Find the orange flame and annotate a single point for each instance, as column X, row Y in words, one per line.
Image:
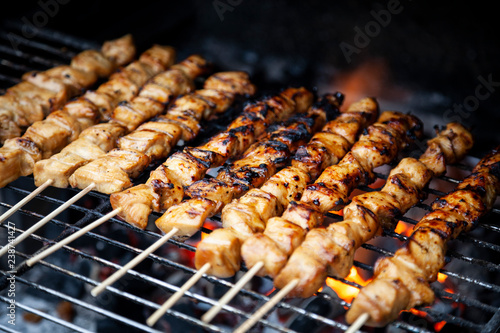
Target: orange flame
column 404, row 228
column 419, row 313
column 439, row 326
column 345, row 291
column 441, row 277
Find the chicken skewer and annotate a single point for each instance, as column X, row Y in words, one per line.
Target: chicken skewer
column 47, row 137
column 280, row 133
column 248, row 215
column 259, row 163
column 43, row 92
column 180, row 121
column 86, row 110
column 401, row 282
column 220, row 100
column 330, row 251
column 369, row 213
column 164, row 187
column 158, row 56
column 377, row 146
column 154, row 96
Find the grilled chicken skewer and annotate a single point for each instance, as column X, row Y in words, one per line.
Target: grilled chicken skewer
column 43, row 92
column 164, row 187
column 248, row 215
column 377, row 146
column 96, row 141
column 227, row 81
column 331, row 250
column 402, row 282
column 259, row 163
column 17, row 162
column 47, row 137
column 150, row 139
column 140, row 147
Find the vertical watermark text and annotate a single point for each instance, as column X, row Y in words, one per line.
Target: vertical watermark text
column 11, row 264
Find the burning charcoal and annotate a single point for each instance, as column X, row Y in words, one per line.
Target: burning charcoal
column 31, row 317
column 66, row 311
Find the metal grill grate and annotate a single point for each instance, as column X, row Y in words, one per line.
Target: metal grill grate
column 95, row 250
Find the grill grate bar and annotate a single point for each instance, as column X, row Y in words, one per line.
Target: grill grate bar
column 10, row 79
column 65, row 54
column 155, row 282
column 83, row 304
column 8, row 329
column 19, row 67
column 46, row 316
column 30, row 58
column 284, row 305
column 56, row 36
column 439, row 316
column 162, row 260
column 55, row 39
column 123, row 294
column 465, row 300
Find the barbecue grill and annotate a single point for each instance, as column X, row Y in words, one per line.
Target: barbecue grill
column 68, row 275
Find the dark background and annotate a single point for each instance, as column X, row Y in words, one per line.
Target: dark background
column 428, row 58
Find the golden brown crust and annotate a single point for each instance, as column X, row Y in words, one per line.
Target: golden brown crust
column 418, row 262
column 369, row 213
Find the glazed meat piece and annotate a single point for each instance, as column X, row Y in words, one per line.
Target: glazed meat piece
column 367, row 214
column 247, row 216
column 164, row 182
column 402, row 281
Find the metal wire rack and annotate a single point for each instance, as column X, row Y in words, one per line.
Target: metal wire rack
column 146, row 286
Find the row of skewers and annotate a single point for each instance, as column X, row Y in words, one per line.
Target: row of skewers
column 282, row 166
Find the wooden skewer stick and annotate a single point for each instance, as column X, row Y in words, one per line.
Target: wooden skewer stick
column 178, row 294
column 71, row 238
column 24, row 201
column 46, row 219
column 131, row 264
column 266, row 307
column 207, row 317
column 358, row 323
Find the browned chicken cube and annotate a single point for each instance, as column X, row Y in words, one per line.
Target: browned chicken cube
column 108, row 177
column 187, row 217
column 93, row 61
column 165, row 183
column 158, row 57
column 60, row 166
column 155, row 145
column 260, row 248
column 121, row 50
column 221, row 249
column 103, row 135
column 137, row 204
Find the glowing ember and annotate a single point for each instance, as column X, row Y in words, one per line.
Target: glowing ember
column 404, row 228
column 270, row 292
column 419, row 313
column 439, row 326
column 441, row 277
column 345, row 291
